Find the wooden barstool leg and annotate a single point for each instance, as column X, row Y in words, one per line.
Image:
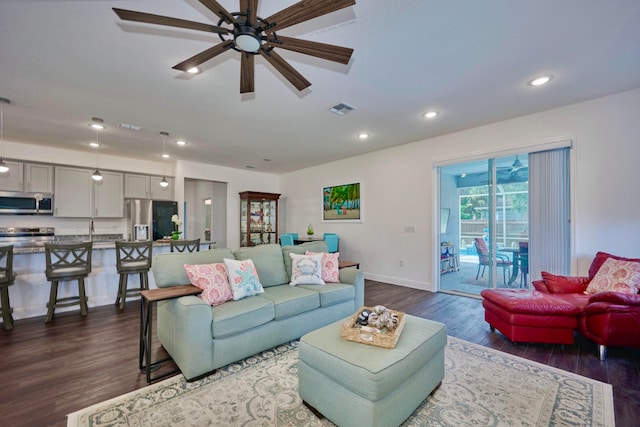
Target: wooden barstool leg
column 82, row 296
column 53, row 297
column 120, row 283
column 123, row 293
column 7, row 318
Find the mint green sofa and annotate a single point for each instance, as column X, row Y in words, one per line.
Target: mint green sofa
column 201, row 338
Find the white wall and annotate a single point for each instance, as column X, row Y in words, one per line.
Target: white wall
column 398, row 188
column 237, row 180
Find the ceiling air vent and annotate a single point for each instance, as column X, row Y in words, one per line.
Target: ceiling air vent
column 129, row 127
column 341, row 109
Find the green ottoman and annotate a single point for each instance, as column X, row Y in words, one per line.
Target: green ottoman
column 355, row 384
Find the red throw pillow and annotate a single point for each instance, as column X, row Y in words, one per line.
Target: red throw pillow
column 565, row 284
column 600, row 258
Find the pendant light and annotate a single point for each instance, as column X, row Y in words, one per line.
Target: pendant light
column 164, row 183
column 97, row 176
column 3, row 166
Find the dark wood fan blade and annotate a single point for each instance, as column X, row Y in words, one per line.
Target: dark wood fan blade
column 131, row 15
column 217, row 8
column 303, row 11
column 289, row 73
column 320, row 50
column 204, row 56
column 250, row 7
column 246, row 72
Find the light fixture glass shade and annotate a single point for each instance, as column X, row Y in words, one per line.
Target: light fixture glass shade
column 164, row 183
column 3, row 166
column 247, row 43
column 97, row 176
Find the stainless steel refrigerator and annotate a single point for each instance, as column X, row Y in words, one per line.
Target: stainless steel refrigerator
column 155, row 214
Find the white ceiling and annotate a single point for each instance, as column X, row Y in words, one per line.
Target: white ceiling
column 63, row 62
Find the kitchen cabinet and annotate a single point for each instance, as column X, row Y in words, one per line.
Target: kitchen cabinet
column 147, row 187
column 258, row 218
column 73, row 193
column 27, row 177
column 13, row 179
column 79, row 196
column 38, row 178
column 108, row 200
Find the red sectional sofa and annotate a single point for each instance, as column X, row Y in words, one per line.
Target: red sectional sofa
column 558, row 307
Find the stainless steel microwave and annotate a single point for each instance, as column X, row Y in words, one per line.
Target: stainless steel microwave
column 26, row 203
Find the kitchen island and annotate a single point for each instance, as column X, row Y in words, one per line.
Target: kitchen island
column 29, row 294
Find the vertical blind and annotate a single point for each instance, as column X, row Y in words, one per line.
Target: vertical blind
column 549, row 213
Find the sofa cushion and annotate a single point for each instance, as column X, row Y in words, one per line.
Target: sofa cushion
column 234, row 317
column 213, row 280
column 530, row 302
column 564, row 284
column 333, row 293
column 600, row 258
column 243, row 278
column 306, row 269
column 268, row 261
column 289, row 301
column 317, row 246
column 617, row 276
column 168, row 268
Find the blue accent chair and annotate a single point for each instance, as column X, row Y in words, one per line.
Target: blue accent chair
column 294, row 235
column 286, row 240
column 332, row 241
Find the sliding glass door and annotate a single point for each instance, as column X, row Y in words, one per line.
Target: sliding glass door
column 487, row 230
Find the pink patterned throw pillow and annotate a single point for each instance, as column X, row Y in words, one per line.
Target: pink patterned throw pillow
column 616, row 276
column 330, row 271
column 213, row 280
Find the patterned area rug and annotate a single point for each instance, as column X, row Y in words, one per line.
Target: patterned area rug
column 481, row 387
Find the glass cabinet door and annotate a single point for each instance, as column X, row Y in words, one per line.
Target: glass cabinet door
column 259, row 218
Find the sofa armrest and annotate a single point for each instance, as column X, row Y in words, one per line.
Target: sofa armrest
column 184, row 330
column 616, row 298
column 355, row 277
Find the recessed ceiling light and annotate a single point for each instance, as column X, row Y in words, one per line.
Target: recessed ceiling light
column 193, row 70
column 430, row 114
column 363, row 135
column 94, row 144
column 181, row 142
column 539, row 81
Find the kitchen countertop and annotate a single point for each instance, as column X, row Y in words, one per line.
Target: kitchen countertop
column 97, row 245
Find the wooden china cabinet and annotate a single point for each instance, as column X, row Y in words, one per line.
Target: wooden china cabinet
column 258, row 218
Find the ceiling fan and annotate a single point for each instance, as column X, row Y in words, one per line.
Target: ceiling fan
column 251, row 35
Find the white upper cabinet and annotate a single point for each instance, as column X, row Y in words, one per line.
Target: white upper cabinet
column 38, row 178
column 147, row 187
column 73, row 193
column 13, row 179
column 79, row 196
column 107, row 196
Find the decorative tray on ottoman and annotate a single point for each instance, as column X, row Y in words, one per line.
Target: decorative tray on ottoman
column 383, row 337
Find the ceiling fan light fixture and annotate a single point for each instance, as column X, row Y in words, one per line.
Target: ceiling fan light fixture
column 247, row 39
column 193, row 70
column 517, row 163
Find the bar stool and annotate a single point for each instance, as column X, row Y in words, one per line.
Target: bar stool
column 7, row 277
column 185, row 245
column 132, row 258
column 66, row 262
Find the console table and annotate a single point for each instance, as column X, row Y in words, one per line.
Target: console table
column 147, row 299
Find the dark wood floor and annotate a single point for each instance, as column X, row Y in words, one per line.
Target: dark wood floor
column 48, row 371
